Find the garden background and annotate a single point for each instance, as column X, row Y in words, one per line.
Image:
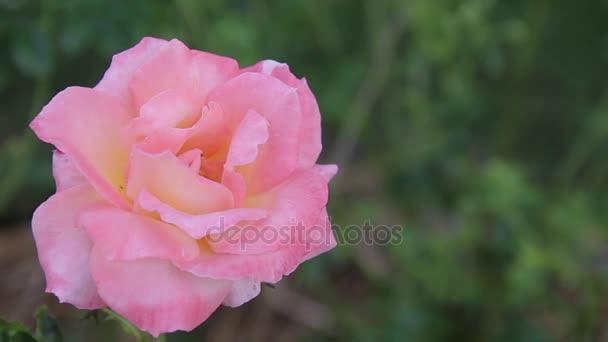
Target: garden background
column 479, row 126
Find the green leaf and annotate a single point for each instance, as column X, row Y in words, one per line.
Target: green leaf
column 129, row 328
column 47, row 329
column 15, row 332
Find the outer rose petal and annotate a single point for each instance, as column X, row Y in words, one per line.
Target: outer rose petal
column 266, row 267
column 241, row 292
column 167, row 178
column 209, row 71
column 198, row 226
column 167, row 69
column 177, row 66
column 65, row 172
column 123, row 235
column 326, row 171
column 277, row 103
column 294, row 208
column 117, row 78
column 322, row 239
column 154, row 295
column 64, row 248
column 85, row 124
column 310, row 129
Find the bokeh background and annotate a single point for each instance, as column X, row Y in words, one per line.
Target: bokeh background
column 479, row 126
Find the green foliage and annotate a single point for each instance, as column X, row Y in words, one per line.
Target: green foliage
column 46, row 329
column 129, row 328
column 479, row 125
column 14, row 332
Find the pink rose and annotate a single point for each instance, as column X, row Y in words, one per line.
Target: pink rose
column 183, row 182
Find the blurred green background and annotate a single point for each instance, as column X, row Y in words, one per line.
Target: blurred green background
column 480, row 126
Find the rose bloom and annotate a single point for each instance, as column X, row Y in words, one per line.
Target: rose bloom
column 167, row 171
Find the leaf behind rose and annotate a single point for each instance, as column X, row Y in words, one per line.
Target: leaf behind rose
column 15, row 332
column 129, row 328
column 47, row 329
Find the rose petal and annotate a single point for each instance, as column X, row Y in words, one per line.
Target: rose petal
column 277, row 103
column 123, row 235
column 198, row 226
column 211, row 132
column 310, row 128
column 251, row 132
column 64, row 248
column 266, row 267
column 192, row 159
column 236, row 183
column 167, row 178
column 320, row 239
column 209, row 71
column 154, row 295
column 167, row 69
column 293, row 208
column 85, row 124
column 326, row 171
column 170, row 108
column 241, row 292
column 243, row 150
column 65, row 172
column 164, row 139
column 176, row 66
column 118, row 76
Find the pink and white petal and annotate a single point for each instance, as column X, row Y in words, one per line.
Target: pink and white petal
column 64, row 247
column 326, row 171
column 310, row 130
column 267, row 267
column 192, row 159
column 177, row 107
column 169, row 68
column 243, row 150
column 164, row 139
column 198, row 226
column 235, row 181
column 277, row 103
column 117, row 78
column 211, row 132
column 294, row 208
column 85, row 124
column 251, row 132
column 213, row 169
column 321, row 238
column 264, row 67
column 123, row 235
column 155, row 295
column 66, row 174
column 210, row 70
column 241, row 292
column 166, row 177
